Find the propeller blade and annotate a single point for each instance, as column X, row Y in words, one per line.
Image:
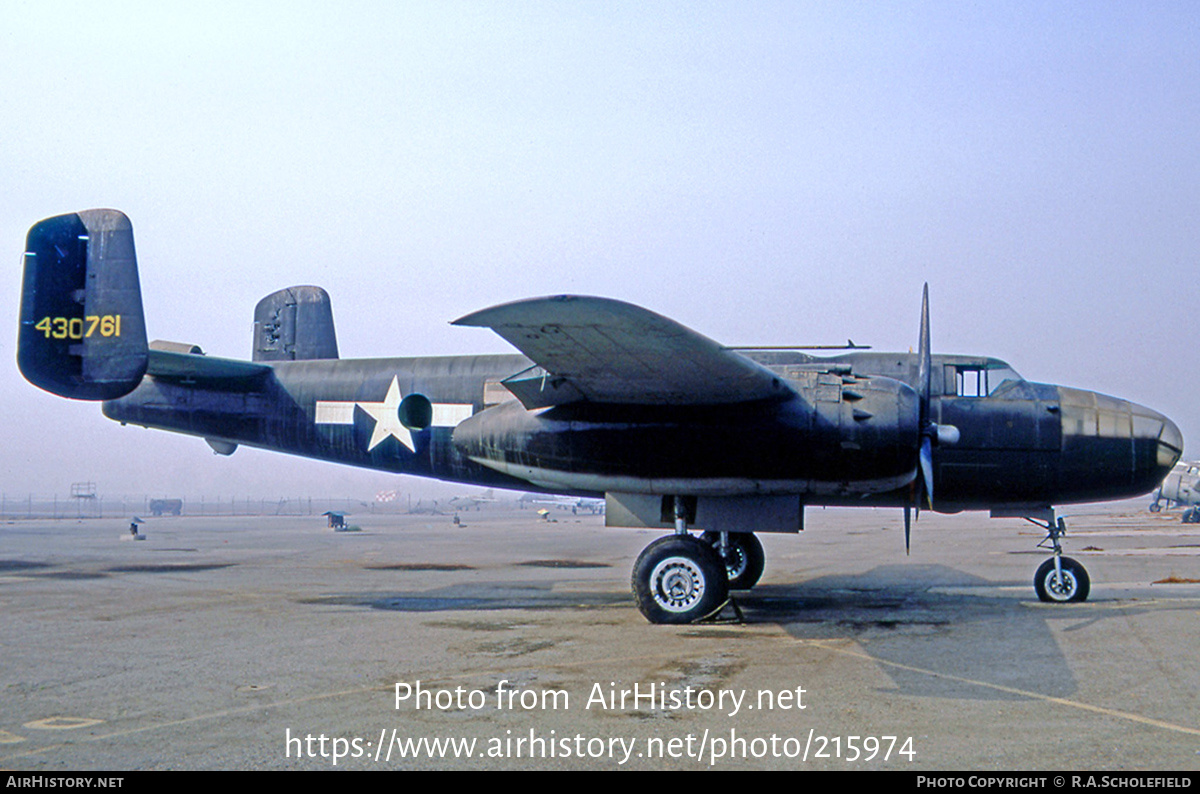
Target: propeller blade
column 924, row 359
column 927, row 469
column 907, row 525
column 924, row 480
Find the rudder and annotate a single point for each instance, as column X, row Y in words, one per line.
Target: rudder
column 82, row 332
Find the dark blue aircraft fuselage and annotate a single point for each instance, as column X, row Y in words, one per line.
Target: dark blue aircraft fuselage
column 844, row 439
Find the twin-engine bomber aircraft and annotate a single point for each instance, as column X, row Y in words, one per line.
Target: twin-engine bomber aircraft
column 670, row 427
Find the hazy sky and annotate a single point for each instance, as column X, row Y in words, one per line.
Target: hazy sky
column 766, row 173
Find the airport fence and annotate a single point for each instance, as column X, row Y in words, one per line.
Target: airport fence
column 64, row 507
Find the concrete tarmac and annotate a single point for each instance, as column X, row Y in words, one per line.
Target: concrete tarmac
column 276, row 643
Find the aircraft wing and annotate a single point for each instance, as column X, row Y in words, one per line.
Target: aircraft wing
column 608, row 351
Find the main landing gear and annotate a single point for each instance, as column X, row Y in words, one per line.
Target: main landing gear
column 743, row 555
column 682, row 578
column 679, row 579
column 1059, row 579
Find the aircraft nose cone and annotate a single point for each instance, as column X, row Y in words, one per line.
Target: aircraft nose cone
column 1159, row 441
column 1171, row 436
column 1125, row 448
column 1170, row 444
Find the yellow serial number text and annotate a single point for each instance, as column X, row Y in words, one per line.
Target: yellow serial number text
column 80, row 327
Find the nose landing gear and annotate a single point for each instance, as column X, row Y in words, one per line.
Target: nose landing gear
column 1059, row 579
column 1069, row 582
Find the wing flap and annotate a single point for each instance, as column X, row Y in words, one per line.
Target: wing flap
column 608, row 351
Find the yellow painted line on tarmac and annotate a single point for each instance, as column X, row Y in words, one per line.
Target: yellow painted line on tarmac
column 61, row 723
column 824, row 645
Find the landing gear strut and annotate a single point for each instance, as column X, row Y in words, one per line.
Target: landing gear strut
column 1059, row 579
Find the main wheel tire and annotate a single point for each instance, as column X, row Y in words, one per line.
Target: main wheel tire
column 1155, row 507
column 1074, row 586
column 679, row 579
column 744, row 566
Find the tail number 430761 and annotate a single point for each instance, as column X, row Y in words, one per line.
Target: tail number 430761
column 80, row 327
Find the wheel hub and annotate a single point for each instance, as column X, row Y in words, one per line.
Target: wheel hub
column 735, row 562
column 677, row 584
column 1063, row 587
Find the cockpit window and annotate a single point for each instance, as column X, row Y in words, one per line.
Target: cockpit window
column 999, row 373
column 979, row 380
column 971, row 382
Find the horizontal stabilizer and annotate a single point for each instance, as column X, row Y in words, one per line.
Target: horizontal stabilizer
column 226, row 373
column 608, row 351
column 82, row 333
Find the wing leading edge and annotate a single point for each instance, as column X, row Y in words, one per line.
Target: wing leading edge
column 608, row 351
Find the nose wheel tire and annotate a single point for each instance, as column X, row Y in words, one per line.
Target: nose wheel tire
column 679, row 579
column 744, row 565
column 1074, row 585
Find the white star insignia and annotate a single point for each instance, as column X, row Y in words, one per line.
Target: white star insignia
column 387, row 419
column 387, row 416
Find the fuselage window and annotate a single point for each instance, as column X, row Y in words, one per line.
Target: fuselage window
column 972, row 382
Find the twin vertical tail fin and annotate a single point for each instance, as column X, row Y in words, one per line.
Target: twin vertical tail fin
column 294, row 324
column 82, row 332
